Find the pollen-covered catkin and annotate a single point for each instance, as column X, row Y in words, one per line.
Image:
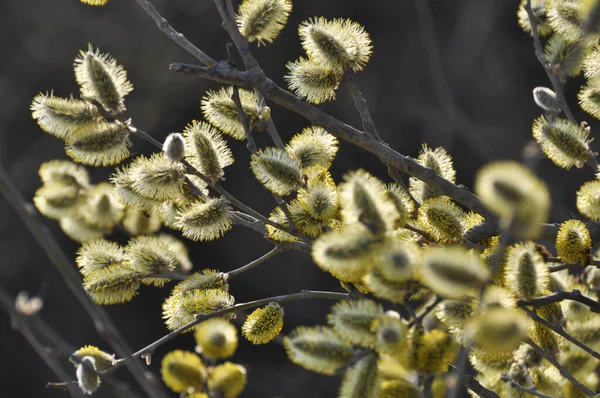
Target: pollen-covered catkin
column 264, row 324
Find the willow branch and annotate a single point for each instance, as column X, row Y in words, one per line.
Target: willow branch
column 362, row 107
column 419, row 318
column 560, row 331
column 564, row 372
column 530, row 390
column 151, row 386
column 251, row 145
column 561, row 295
column 303, row 295
column 276, row 250
column 537, row 45
column 174, row 35
column 474, row 385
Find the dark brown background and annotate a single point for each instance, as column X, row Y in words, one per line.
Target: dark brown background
column 486, row 60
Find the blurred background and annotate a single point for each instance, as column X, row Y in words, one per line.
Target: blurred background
column 465, row 84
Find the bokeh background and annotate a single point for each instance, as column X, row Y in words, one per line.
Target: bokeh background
column 465, row 84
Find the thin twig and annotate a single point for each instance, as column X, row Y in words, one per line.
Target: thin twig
column 564, row 372
column 530, row 390
column 474, row 385
column 426, row 311
column 560, row 331
column 251, row 144
column 174, row 35
column 303, row 295
column 362, row 107
column 151, row 386
column 561, row 295
column 270, row 124
column 539, row 53
column 276, row 250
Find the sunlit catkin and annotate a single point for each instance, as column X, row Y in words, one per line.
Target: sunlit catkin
column 398, row 389
column 94, row 2
column 103, row 360
column 150, row 256
column 398, row 260
column 262, row 20
column 157, row 177
column 526, row 274
column 220, row 110
column 107, row 145
column 402, row 201
column 183, row 370
column 438, row 160
column 588, row 200
column 564, row 143
column 320, row 200
column 207, row 150
column 384, row 288
column 183, row 262
column 360, row 380
column 100, row 78
column 228, row 379
column 498, row 329
column 114, row 284
column 316, row 82
column 451, row 272
column 137, row 223
column 347, row 254
column 352, row 321
column 63, row 117
column 304, row 220
column 318, row 349
column 181, row 309
column 513, row 192
column 277, row 170
column 204, row 221
column 362, row 201
column 390, row 331
column 216, row 338
column 573, row 242
column 100, row 208
column 98, row 254
column 565, row 55
column 56, row 200
column 64, row 172
column 313, row 146
column 337, row 43
column 264, row 324
column 441, row 219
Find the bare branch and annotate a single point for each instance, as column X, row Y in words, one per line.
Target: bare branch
column 251, row 145
column 150, row 384
column 564, row 372
column 174, row 35
column 474, row 385
column 561, row 295
column 529, row 390
column 276, row 250
column 560, row 331
column 303, row 295
column 363, row 109
column 419, row 318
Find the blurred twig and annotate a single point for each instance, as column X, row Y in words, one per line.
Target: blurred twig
column 151, row 386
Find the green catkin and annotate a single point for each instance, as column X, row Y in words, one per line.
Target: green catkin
column 352, row 321
column 360, row 381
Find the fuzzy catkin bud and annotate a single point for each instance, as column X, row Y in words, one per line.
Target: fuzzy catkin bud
column 57, row 201
column 526, row 274
column 220, row 110
column 546, row 99
column 101, row 209
column 539, row 11
column 204, row 221
column 183, row 370
column 402, row 202
column 360, row 381
column 64, row 172
column 498, row 329
column 441, row 163
column 390, row 331
column 106, row 145
column 313, row 146
column 565, row 55
column 216, row 338
column 588, row 200
column 277, row 170
column 563, row 142
column 399, row 388
column 346, row 253
column 398, row 260
column 573, row 242
column 149, row 255
column 62, row 117
column 264, row 324
column 114, row 284
column 337, row 43
column 384, row 288
column 207, row 150
column 315, row 82
column 262, row 20
column 100, row 78
column 451, row 272
column 87, row 379
column 228, row 378
column 181, row 309
column 352, row 321
column 318, row 349
column 174, row 147
column 94, row 2
column 98, row 254
column 442, row 219
column 102, row 360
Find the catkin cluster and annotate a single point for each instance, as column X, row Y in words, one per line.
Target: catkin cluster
column 388, row 245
